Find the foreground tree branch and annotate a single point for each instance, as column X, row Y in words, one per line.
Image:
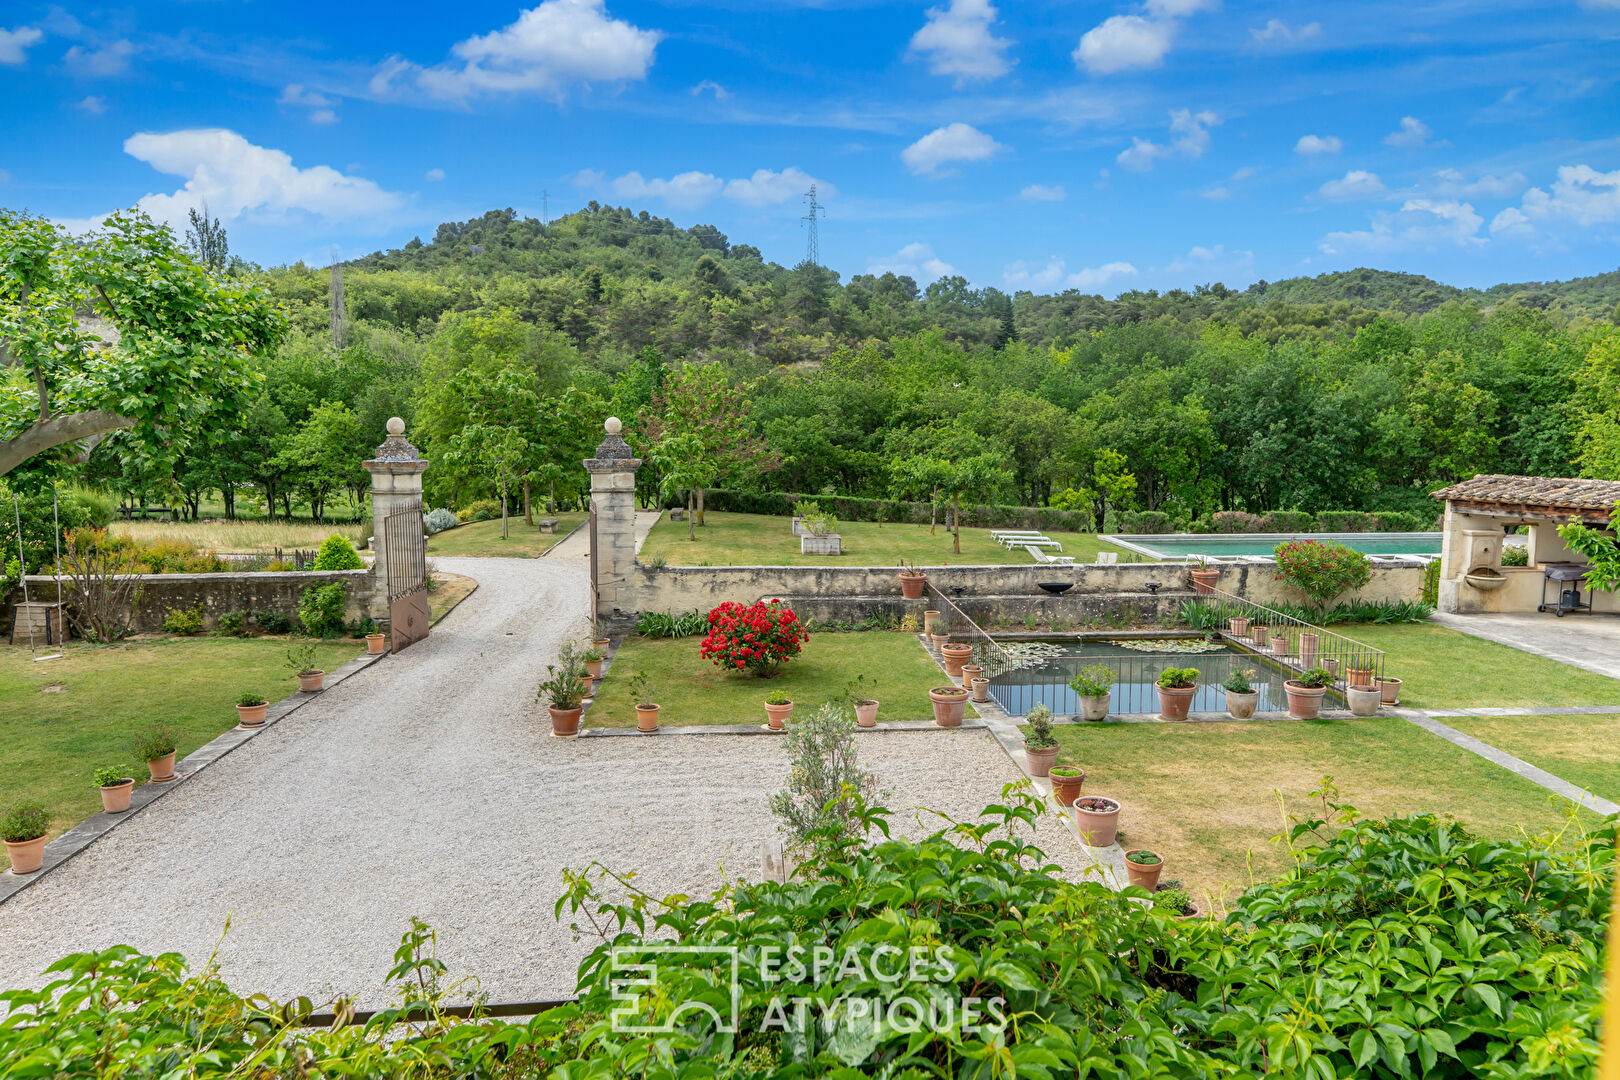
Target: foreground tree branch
column 43, row 435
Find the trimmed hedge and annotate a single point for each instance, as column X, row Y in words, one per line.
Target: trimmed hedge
column 848, row 508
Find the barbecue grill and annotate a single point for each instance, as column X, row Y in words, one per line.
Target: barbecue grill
column 1569, row 577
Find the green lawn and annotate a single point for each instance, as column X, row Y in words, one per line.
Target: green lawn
column 1441, row 668
column 1206, row 796
column 483, row 538
column 64, row 718
column 1584, row 750
column 897, row 669
column 759, row 540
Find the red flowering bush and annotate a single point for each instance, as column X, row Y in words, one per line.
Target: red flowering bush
column 757, row 638
column 1321, row 569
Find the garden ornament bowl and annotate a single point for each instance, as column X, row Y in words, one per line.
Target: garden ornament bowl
column 1056, row 588
column 1153, row 587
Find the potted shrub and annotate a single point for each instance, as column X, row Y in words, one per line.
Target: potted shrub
column 156, row 747
column 1359, row 672
column 757, row 639
column 301, row 658
column 971, row 672
column 1390, row 690
column 250, row 709
column 1204, row 577
column 593, row 659
column 376, row 641
column 561, row 692
column 980, row 688
column 641, row 698
column 602, row 638
column 1066, row 781
column 950, row 703
column 1093, row 684
column 1143, row 867
column 939, row 633
column 1097, row 819
column 116, row 787
column 23, row 829
column 1363, row 700
column 1280, row 637
column 1176, row 689
column 1241, row 696
column 1176, row 902
column 1305, row 692
column 956, row 656
column 864, row 706
column 1040, row 747
column 912, row 582
column 778, row 707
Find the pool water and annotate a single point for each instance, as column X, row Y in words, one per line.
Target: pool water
column 1045, row 679
column 1182, row 545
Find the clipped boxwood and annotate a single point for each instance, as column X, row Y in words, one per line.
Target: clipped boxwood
column 338, row 554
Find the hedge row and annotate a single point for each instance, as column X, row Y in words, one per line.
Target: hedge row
column 1327, row 521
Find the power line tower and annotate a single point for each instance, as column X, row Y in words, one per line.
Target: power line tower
column 545, row 207
column 812, row 253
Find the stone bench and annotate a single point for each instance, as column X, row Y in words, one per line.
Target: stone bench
column 548, row 525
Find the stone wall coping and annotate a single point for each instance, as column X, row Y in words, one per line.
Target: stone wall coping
column 224, row 575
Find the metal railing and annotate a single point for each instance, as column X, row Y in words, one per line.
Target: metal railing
column 1290, row 643
column 988, row 654
column 1044, row 680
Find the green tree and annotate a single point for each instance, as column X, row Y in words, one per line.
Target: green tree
column 323, row 456
column 699, row 401
column 684, row 465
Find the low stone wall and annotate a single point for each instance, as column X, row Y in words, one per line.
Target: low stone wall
column 216, row 594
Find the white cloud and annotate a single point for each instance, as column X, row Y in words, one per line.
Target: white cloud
column 1512, row 222
column 685, row 190
column 235, row 177
column 434, row 175
column 1246, row 173
column 92, row 104
column 323, row 116
column 1124, row 42
column 1190, row 138
column 1033, row 276
column 589, row 178
column 550, row 46
column 1355, row 184
column 14, row 43
column 954, row 142
column 1217, row 193
column 1277, row 32
column 5, row 177
column 298, row 95
column 1212, row 260
column 1175, row 9
column 1093, row 278
column 1581, row 195
column 1309, row 145
column 1043, row 193
column 1453, row 184
column 1420, row 223
column 916, row 261
column 110, row 59
column 767, row 188
column 957, row 41
column 720, row 93
column 1601, row 5
column 1412, row 132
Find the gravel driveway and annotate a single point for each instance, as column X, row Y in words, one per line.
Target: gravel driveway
column 429, row 785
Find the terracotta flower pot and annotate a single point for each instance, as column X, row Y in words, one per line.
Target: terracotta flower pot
column 565, row 721
column 980, row 688
column 1095, row 706
column 1193, row 914
column 115, row 797
column 647, row 717
column 969, row 673
column 1330, row 664
column 866, row 713
column 911, row 584
column 928, row 620
column 587, row 686
column 309, row 682
column 163, row 768
column 776, row 715
column 1175, row 703
column 950, row 704
column 1258, row 635
column 956, row 656
column 1304, row 702
column 939, row 641
column 1066, row 789
column 1364, row 700
column 250, row 715
column 1143, row 875
column 1355, row 676
column 601, row 643
column 28, row 856
column 1280, row 643
column 593, row 668
column 375, row 643
column 1242, row 706
column 1307, row 651
column 1040, row 761
column 1237, row 626
column 1097, row 818
column 1204, row 581
column 1390, row 691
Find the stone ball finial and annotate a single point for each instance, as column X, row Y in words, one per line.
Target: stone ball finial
column 612, row 425
column 396, row 426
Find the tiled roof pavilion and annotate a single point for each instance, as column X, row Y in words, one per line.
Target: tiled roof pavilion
column 1591, row 501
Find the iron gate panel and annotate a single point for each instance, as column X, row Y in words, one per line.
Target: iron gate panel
column 596, row 607
column 405, row 557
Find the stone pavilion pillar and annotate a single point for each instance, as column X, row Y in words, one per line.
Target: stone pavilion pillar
column 396, row 484
column 613, row 533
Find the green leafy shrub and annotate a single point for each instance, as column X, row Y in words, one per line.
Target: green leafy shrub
column 1238, row 681
column 1234, row 521
column 21, row 823
column 301, row 658
column 233, row 624
column 272, row 622
column 337, row 553
column 778, row 697
column 248, row 701
column 1174, row 901
column 320, row 609
column 1321, row 569
column 1145, row 522
column 1039, row 736
column 109, row 775
column 1093, row 680
column 1178, row 678
column 361, row 627
column 561, row 688
column 481, row 510
column 157, row 741
column 663, row 624
column 1515, row 556
column 184, row 622
column 1287, row 521
column 824, row 777
column 1343, row 521
column 1403, row 521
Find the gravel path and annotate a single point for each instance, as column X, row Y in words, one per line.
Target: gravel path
column 429, row 785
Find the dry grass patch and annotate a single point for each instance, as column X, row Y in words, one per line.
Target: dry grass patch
column 258, row 537
column 1585, row 750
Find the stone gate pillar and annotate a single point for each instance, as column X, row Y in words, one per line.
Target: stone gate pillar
column 613, row 531
column 396, row 484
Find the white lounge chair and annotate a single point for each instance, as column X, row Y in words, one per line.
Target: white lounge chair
column 1010, row 539
column 1107, row 558
column 1043, row 542
column 1052, row 560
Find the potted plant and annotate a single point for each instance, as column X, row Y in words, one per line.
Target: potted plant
column 956, row 656
column 1241, row 696
column 641, row 698
column 778, row 707
column 1176, row 902
column 1040, row 746
column 1143, row 867
column 1363, row 700
column 1305, row 692
column 1066, row 781
column 602, row 638
column 1390, row 690
column 116, row 787
column 1176, row 689
column 301, row 658
column 376, row 641
column 1359, row 672
column 561, row 692
column 1093, row 684
column 593, row 659
column 1204, row 576
column 250, row 709
column 23, row 829
column 864, row 706
column 912, row 581
column 971, row 672
column 156, row 747
column 1280, row 641
column 1257, row 634
column 1307, row 649
column 980, row 688
column 939, row 633
column 1237, row 626
column 950, row 703
column 1097, row 819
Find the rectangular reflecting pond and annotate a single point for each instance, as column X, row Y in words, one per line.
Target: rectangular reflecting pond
column 1043, row 670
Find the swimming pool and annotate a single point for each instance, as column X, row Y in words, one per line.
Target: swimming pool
column 1229, row 545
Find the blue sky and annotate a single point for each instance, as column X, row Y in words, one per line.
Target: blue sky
column 1040, row 145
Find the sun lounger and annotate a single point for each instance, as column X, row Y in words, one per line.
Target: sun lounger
column 1053, row 560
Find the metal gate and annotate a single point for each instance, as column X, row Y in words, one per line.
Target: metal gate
column 595, row 607
column 405, row 556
